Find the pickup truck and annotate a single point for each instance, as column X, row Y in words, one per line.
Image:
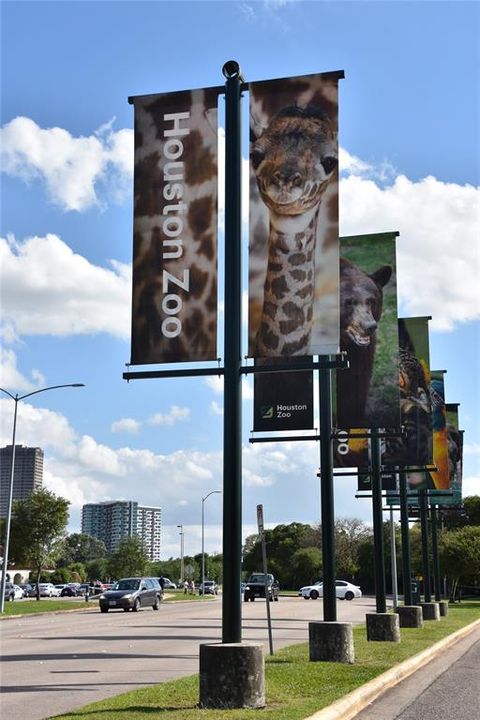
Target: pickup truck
column 255, row 587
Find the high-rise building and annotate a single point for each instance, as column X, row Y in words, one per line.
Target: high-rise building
column 115, row 520
column 27, row 473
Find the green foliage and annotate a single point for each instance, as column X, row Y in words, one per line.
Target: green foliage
column 82, row 548
column 96, row 569
column 460, row 555
column 129, row 559
column 306, row 566
column 38, row 530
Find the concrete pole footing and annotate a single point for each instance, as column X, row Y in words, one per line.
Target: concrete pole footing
column 232, row 675
column 430, row 610
column 410, row 616
column 443, row 607
column 383, row 626
column 331, row 642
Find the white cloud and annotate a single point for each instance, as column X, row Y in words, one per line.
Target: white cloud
column 11, row 377
column 437, row 250
column 215, row 383
column 72, row 168
column 215, row 408
column 47, row 289
column 175, row 414
column 128, row 425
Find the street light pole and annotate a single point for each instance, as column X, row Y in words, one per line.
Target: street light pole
column 16, row 398
column 203, row 537
column 182, row 574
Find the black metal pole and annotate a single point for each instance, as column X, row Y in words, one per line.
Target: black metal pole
column 436, row 559
column 378, row 549
column 232, row 408
column 326, row 485
column 425, row 553
column 406, row 562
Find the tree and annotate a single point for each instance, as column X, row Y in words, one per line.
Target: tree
column 348, row 534
column 38, row 530
column 460, row 556
column 306, row 566
column 128, row 559
column 472, row 509
column 82, row 548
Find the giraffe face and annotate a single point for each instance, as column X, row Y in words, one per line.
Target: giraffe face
column 294, row 160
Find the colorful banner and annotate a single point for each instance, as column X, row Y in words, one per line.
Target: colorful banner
column 282, row 400
column 367, row 394
column 174, row 300
column 455, row 452
column 415, row 447
column 293, row 249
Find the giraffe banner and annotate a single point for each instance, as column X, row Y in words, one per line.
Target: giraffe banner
column 174, row 298
column 293, row 245
column 367, row 394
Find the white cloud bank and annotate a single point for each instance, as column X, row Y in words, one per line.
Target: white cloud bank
column 75, row 170
column 47, row 289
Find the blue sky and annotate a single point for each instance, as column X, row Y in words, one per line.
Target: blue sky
column 409, row 119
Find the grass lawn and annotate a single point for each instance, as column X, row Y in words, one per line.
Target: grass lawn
column 295, row 687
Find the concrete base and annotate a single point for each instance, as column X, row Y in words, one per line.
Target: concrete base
column 232, row 675
column 383, row 626
column 331, row 642
column 410, row 616
column 443, row 604
column 430, row 610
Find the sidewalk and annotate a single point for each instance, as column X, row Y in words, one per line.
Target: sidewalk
column 420, row 688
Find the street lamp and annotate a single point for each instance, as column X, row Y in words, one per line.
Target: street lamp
column 16, row 398
column 203, row 537
column 181, row 533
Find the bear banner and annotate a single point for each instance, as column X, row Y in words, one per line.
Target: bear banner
column 367, row 394
column 174, row 298
column 293, row 246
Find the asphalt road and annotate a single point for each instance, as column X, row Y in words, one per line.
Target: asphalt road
column 58, row 662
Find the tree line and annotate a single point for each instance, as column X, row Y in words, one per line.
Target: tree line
column 39, row 541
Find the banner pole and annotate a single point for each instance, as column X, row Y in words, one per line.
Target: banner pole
column 406, row 564
column 436, row 560
column 425, row 551
column 378, row 550
column 232, row 408
column 327, row 494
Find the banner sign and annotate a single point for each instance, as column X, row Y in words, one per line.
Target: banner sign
column 283, row 400
column 415, row 447
column 293, row 248
column 455, row 452
column 174, row 299
column 440, row 479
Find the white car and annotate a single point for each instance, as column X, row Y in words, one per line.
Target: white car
column 19, row 594
column 48, row 590
column 343, row 590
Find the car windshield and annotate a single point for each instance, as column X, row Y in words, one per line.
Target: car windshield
column 260, row 578
column 128, row 584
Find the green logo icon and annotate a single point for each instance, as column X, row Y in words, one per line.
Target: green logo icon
column 267, row 412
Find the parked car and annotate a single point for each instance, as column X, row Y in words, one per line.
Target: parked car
column 209, row 587
column 132, row 594
column 90, row 588
column 48, row 590
column 343, row 590
column 9, row 592
column 28, row 589
column 71, row 590
column 168, row 584
column 255, row 587
column 19, row 594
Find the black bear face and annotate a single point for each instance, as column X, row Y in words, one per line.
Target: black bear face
column 361, row 300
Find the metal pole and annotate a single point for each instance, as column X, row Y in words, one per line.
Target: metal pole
column 436, row 559
column 393, row 550
column 232, row 408
column 378, row 550
column 425, row 553
column 203, row 537
column 327, row 495
column 406, row 572
column 182, row 577
column 6, row 544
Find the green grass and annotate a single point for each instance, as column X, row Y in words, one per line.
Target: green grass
column 295, row 687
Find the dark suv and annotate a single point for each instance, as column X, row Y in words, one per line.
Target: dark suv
column 131, row 594
column 255, row 587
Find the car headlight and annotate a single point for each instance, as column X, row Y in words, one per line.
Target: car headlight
column 127, row 597
column 101, row 597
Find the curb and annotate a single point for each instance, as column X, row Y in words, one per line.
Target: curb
column 347, row 707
